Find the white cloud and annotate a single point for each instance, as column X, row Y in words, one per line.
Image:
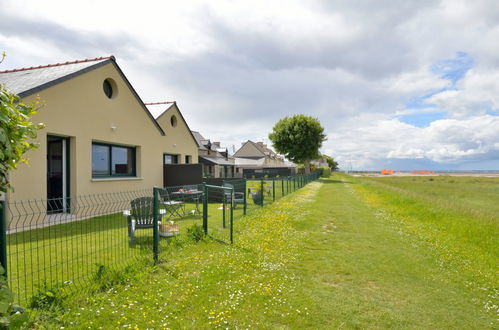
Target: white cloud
column 476, row 93
column 365, row 140
column 235, row 68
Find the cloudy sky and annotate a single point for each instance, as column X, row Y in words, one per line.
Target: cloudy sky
column 396, row 84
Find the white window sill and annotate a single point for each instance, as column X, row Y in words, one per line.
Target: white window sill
column 117, row 179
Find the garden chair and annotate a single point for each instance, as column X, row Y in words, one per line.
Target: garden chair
column 173, row 208
column 141, row 216
column 238, row 196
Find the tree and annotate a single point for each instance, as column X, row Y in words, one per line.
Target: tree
column 298, row 138
column 16, row 133
column 333, row 165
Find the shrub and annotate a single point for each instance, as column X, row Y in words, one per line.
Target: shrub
column 195, row 233
column 106, row 277
column 17, row 133
column 48, row 297
column 11, row 315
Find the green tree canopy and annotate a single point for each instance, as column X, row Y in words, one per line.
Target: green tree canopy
column 333, row 165
column 298, row 138
column 16, row 133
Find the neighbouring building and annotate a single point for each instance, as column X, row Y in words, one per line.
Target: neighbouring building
column 99, row 136
column 320, row 162
column 215, row 159
column 255, row 159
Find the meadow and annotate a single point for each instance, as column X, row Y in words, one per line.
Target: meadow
column 341, row 252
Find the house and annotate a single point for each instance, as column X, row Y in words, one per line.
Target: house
column 256, row 159
column 215, row 159
column 99, row 136
column 320, row 162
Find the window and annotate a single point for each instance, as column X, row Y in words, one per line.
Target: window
column 112, row 160
column 187, row 159
column 170, row 159
column 173, row 121
column 110, row 88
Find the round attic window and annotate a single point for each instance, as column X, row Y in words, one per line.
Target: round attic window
column 109, row 87
column 173, row 121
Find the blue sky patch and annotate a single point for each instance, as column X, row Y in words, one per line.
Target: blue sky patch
column 452, row 69
column 455, row 68
column 422, row 119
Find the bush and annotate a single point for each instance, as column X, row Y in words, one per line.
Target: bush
column 11, row 315
column 49, row 297
column 195, row 233
column 106, row 277
column 17, row 133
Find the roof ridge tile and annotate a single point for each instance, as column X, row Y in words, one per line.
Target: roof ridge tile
column 60, row 64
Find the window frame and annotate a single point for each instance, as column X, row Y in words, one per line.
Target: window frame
column 175, row 156
column 110, row 161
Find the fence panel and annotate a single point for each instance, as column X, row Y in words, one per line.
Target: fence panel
column 49, row 248
column 218, row 212
column 179, row 208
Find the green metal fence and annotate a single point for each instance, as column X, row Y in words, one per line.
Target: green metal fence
column 42, row 246
column 48, row 248
column 218, row 213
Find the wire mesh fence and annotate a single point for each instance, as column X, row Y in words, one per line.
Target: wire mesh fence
column 47, row 246
column 218, row 212
column 51, row 242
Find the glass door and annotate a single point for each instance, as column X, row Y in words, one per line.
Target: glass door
column 57, row 174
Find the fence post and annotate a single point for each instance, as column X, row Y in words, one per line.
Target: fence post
column 261, row 185
column 273, row 189
column 232, row 217
column 155, row 230
column 3, row 236
column 205, row 209
column 224, row 197
column 282, row 187
column 245, row 194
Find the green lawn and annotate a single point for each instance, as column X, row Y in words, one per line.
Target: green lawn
column 340, row 253
column 71, row 252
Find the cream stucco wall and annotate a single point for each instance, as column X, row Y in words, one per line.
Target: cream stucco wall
column 79, row 109
column 180, row 139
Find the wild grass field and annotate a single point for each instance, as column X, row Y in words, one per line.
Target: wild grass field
column 341, row 252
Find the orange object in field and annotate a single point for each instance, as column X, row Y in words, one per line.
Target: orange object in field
column 386, row 172
column 423, row 172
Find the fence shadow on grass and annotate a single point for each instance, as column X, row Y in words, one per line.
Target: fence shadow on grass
column 327, row 181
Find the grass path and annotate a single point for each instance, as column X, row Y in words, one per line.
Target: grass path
column 323, row 257
column 361, row 269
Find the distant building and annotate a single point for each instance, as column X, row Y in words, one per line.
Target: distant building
column 321, row 162
column 215, row 159
column 256, row 159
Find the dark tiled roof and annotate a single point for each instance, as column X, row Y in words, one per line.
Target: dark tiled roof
column 216, row 161
column 199, row 140
column 26, row 81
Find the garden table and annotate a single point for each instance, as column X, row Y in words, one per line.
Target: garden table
column 190, row 195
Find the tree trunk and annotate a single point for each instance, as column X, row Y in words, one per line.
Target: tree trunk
column 307, row 166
